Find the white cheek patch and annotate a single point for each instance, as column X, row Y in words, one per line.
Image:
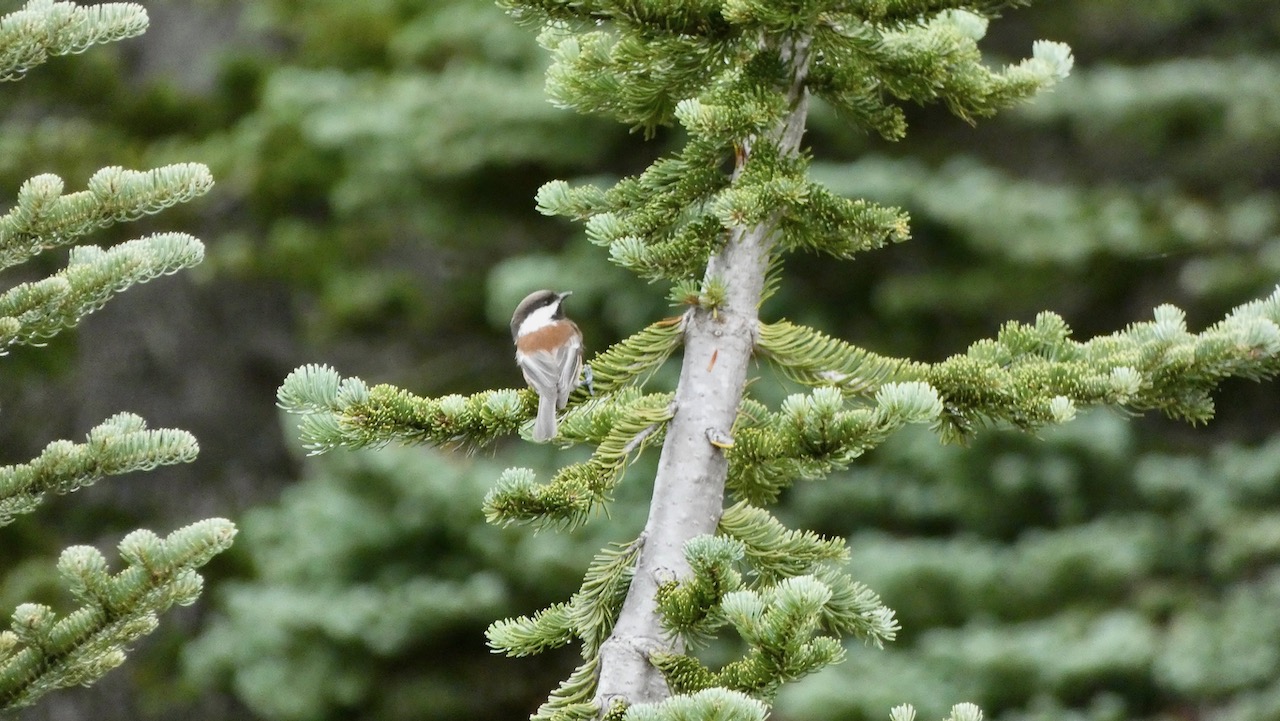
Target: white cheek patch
column 538, row 319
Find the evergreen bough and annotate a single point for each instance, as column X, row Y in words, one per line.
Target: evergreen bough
column 42, row 651
column 715, row 220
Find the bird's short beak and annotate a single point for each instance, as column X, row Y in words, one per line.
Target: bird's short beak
column 566, row 294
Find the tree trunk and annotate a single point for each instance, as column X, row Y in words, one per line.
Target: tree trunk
column 688, row 491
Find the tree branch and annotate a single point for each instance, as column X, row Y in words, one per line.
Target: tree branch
column 688, row 493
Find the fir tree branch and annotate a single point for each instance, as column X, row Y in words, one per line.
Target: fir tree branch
column 600, row 72
column 119, row 445
column 44, row 218
column 1033, row 375
column 595, row 606
column 784, row 582
column 812, row 358
column 571, row 701
column 43, row 28
column 633, row 360
column 40, row 652
column 712, row 704
column 814, row 435
column 696, row 17
column 526, row 635
column 540, row 13
column 589, row 616
column 621, row 426
column 778, row 623
column 345, row 413
column 937, row 59
column 854, row 609
column 658, row 223
column 774, row 551
column 823, row 222
column 32, row 312
column 940, row 60
column 689, row 606
column 781, row 621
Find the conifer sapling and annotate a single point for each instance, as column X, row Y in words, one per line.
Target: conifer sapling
column 715, row 220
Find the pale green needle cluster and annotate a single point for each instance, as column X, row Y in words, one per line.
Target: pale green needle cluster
column 42, row 651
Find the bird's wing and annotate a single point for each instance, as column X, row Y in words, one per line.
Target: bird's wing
column 541, row 372
column 569, row 363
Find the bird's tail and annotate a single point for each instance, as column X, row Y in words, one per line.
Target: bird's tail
column 544, row 428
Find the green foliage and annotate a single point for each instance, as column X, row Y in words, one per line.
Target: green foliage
column 731, row 76
column 341, row 413
column 777, row 552
column 44, row 28
column 959, row 712
column 1131, row 580
column 119, row 445
column 41, row 652
column 1155, row 364
column 374, row 580
column 625, row 424
column 33, row 312
column 338, row 412
column 43, row 218
column 709, row 705
column 664, row 222
column 588, row 617
column 812, row 435
column 1031, row 375
column 777, row 625
column 797, row 588
column 698, row 68
column 1146, row 179
column 812, row 358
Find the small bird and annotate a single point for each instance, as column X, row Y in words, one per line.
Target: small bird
column 549, row 353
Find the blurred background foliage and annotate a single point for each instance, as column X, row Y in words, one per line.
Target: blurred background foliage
column 376, row 164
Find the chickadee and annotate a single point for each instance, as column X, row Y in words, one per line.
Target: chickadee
column 549, row 352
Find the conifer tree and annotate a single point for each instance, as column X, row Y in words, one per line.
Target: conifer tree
column 716, row 220
column 42, row 650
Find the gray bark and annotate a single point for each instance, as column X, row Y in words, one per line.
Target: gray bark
column 688, row 492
